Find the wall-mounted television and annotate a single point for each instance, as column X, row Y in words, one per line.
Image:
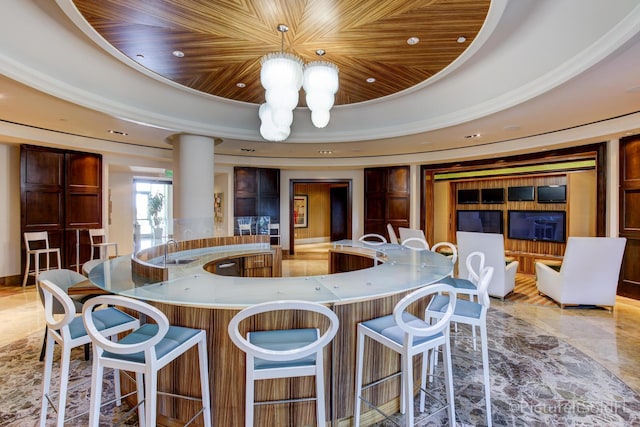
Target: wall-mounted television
column 521, row 194
column 481, row 221
column 492, row 195
column 547, row 226
column 466, row 197
column 552, row 194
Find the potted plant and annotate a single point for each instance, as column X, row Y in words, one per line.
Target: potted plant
column 154, row 207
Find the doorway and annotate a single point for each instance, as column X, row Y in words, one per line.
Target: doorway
column 328, row 207
column 153, row 221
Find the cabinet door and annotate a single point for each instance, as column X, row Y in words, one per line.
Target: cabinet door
column 629, row 285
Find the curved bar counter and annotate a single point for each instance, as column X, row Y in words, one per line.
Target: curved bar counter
column 194, row 297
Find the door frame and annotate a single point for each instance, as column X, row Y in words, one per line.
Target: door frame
column 293, row 182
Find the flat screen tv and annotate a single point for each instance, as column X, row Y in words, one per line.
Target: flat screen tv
column 492, row 195
column 547, row 226
column 552, row 194
column 466, row 197
column 521, row 194
column 480, row 221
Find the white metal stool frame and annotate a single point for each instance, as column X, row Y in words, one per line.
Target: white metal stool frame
column 114, row 355
column 60, row 331
column 411, row 328
column 38, row 236
column 378, row 239
column 474, row 314
column 253, row 351
column 99, row 232
column 469, row 286
column 416, row 244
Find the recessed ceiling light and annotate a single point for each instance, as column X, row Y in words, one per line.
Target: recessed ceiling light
column 325, row 152
column 320, row 52
column 461, row 39
column 413, row 40
column 178, row 53
column 371, row 79
column 248, row 150
column 241, row 84
column 475, row 135
column 117, row 132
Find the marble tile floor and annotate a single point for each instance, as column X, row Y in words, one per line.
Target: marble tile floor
column 610, row 340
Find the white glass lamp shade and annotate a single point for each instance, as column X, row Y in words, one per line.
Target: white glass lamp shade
column 321, row 76
column 281, row 69
column 281, row 76
column 320, row 84
column 320, row 118
column 268, row 129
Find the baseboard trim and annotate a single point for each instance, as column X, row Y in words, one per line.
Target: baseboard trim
column 11, row 280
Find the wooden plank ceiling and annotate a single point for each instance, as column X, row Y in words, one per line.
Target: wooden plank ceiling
column 224, row 40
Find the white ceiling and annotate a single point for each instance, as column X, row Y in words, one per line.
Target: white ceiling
column 541, row 74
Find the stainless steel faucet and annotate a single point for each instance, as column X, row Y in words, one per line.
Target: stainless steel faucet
column 166, row 249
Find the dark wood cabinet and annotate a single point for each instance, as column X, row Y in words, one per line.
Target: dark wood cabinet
column 387, row 199
column 629, row 284
column 257, row 192
column 60, row 191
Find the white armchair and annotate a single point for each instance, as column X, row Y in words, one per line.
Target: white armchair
column 492, row 245
column 588, row 275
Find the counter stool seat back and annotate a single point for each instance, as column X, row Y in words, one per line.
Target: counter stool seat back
column 373, row 239
column 144, row 351
column 98, row 242
column 416, row 244
column 63, row 279
column 67, row 329
column 283, row 353
column 408, row 336
column 37, row 244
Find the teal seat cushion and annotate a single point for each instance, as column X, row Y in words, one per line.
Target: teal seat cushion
column 288, row 339
column 459, row 283
column 176, row 335
column 103, row 319
column 387, row 327
column 463, row 307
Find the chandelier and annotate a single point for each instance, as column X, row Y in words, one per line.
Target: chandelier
column 282, row 75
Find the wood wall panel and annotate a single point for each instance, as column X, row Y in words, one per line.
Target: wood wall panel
column 257, row 193
column 629, row 284
column 61, row 191
column 387, row 199
column 525, row 251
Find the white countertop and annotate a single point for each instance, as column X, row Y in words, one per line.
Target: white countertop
column 191, row 285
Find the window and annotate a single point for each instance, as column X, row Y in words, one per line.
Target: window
column 143, row 189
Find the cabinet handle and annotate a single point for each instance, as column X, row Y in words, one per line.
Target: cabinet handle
column 231, row 264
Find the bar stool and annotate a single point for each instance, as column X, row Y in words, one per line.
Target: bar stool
column 33, row 238
column 283, row 353
column 474, row 314
column 274, row 232
column 469, row 286
column 409, row 335
column 144, row 351
column 69, row 332
column 97, row 237
column 63, row 279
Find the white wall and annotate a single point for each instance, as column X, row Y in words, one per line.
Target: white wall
column 9, row 210
column 122, row 204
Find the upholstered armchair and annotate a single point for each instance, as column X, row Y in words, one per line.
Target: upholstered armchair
column 588, row 275
column 492, row 245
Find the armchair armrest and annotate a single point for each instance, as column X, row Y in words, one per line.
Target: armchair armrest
column 548, row 280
